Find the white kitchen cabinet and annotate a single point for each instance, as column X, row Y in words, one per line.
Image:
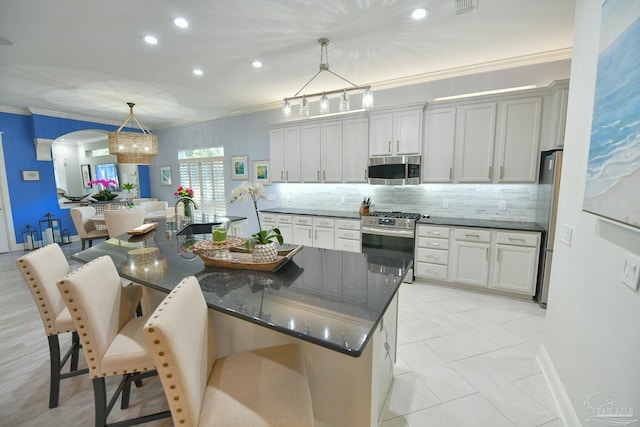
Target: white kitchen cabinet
column 267, row 220
column 432, row 252
column 285, row 152
column 395, row 133
column 321, row 152
column 516, row 262
column 303, row 230
column 284, row 223
column 356, row 149
column 439, row 143
column 348, row 237
column 235, row 229
column 474, row 142
column 323, row 233
column 554, row 116
column 519, row 140
column 471, row 249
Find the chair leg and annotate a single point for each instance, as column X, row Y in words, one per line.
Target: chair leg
column 83, row 242
column 75, row 352
column 54, row 356
column 126, row 391
column 100, row 398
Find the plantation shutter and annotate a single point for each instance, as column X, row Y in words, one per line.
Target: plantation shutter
column 206, row 178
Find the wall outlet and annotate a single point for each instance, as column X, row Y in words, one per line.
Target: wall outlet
column 566, row 233
column 631, row 271
column 445, row 204
column 502, row 205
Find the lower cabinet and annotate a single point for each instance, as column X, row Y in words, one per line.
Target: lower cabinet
column 348, row 235
column 323, row 233
column 499, row 260
column 302, row 230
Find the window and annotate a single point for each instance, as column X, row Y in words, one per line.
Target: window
column 202, row 170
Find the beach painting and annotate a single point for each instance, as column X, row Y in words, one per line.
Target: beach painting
column 613, row 172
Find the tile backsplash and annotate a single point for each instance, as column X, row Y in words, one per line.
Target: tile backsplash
column 509, row 202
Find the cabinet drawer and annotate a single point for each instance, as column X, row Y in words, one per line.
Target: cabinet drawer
column 433, row 271
column 303, row 220
column 429, row 231
column 472, row 235
column 347, row 245
column 323, row 222
column 268, row 217
column 430, row 242
column 433, row 256
column 283, row 219
column 517, row 239
column 348, row 234
column 347, row 224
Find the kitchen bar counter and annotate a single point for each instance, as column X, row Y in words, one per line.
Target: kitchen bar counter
column 313, row 212
column 330, row 298
column 482, row 223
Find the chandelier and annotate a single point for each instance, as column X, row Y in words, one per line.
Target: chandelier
column 133, row 147
column 344, row 106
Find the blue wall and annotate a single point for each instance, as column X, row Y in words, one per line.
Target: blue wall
column 31, row 200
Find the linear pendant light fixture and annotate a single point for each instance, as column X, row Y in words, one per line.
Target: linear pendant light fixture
column 133, row 147
column 344, row 106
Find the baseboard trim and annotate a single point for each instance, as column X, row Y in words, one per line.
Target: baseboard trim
column 567, row 414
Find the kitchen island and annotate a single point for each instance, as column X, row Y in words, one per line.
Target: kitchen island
column 340, row 306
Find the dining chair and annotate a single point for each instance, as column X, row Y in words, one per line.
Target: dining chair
column 265, row 387
column 120, row 221
column 85, row 226
column 113, row 341
column 154, row 206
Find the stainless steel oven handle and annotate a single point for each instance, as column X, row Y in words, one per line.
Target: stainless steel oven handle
column 386, row 232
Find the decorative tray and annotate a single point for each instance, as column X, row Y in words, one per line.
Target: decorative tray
column 233, row 256
column 144, row 228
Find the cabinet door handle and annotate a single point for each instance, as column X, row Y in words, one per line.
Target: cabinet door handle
column 472, row 235
column 324, row 175
column 309, row 230
column 397, row 146
column 486, row 254
column 498, row 256
column 316, row 234
column 281, row 176
column 436, row 233
column 434, row 244
column 490, row 172
column 450, row 174
column 287, row 175
column 318, row 175
column 389, row 145
column 366, row 174
column 501, row 172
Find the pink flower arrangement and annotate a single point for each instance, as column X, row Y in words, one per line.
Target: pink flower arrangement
column 104, row 183
column 183, row 192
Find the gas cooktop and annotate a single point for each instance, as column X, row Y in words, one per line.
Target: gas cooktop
column 403, row 215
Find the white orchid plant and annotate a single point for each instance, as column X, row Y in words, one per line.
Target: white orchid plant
column 255, row 192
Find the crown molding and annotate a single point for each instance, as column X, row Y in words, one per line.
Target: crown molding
column 71, row 116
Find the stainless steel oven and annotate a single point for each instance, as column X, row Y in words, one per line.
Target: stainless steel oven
column 390, row 231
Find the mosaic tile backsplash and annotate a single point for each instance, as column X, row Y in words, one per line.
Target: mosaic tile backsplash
column 508, row 202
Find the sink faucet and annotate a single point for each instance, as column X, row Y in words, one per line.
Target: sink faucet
column 175, row 209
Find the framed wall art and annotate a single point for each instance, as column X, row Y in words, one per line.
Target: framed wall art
column 165, row 175
column 85, row 171
column 262, row 171
column 31, row 175
column 239, row 167
column 613, row 171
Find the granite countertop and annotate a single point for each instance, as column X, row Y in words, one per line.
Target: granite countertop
column 331, row 298
column 314, row 212
column 483, row 223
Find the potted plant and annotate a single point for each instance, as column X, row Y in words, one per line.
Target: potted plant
column 104, row 193
column 261, row 244
column 129, row 186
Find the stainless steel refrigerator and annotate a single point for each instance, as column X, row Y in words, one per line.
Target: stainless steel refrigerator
column 549, row 181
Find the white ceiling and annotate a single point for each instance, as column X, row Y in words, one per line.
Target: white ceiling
column 87, row 57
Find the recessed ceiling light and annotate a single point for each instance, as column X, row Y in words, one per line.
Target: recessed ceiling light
column 197, row 72
column 180, row 22
column 256, row 64
column 419, row 14
column 150, row 39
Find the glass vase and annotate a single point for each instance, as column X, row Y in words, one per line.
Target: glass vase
column 187, row 212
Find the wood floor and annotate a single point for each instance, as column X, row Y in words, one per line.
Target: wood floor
column 24, row 366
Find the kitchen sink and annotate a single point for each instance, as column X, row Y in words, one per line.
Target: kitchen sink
column 203, row 228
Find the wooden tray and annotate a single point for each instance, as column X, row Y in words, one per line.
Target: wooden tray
column 144, row 228
column 243, row 259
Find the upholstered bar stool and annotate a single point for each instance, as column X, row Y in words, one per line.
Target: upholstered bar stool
column 266, row 387
column 41, row 269
column 85, row 226
column 113, row 342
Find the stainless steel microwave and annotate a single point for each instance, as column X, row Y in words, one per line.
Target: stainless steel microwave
column 399, row 170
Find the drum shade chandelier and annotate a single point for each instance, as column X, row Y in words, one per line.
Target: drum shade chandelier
column 367, row 94
column 133, row 147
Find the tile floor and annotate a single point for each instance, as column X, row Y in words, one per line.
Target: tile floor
column 468, row 359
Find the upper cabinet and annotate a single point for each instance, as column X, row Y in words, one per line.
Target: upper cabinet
column 356, row 149
column 489, row 139
column 284, row 147
column 396, row 132
column 554, row 116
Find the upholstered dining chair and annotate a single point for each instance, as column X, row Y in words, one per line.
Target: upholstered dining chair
column 266, row 387
column 41, row 269
column 85, row 226
column 121, row 221
column 113, row 341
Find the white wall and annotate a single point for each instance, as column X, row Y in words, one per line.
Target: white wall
column 592, row 333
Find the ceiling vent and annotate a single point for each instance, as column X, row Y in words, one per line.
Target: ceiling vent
column 43, row 148
column 465, row 6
